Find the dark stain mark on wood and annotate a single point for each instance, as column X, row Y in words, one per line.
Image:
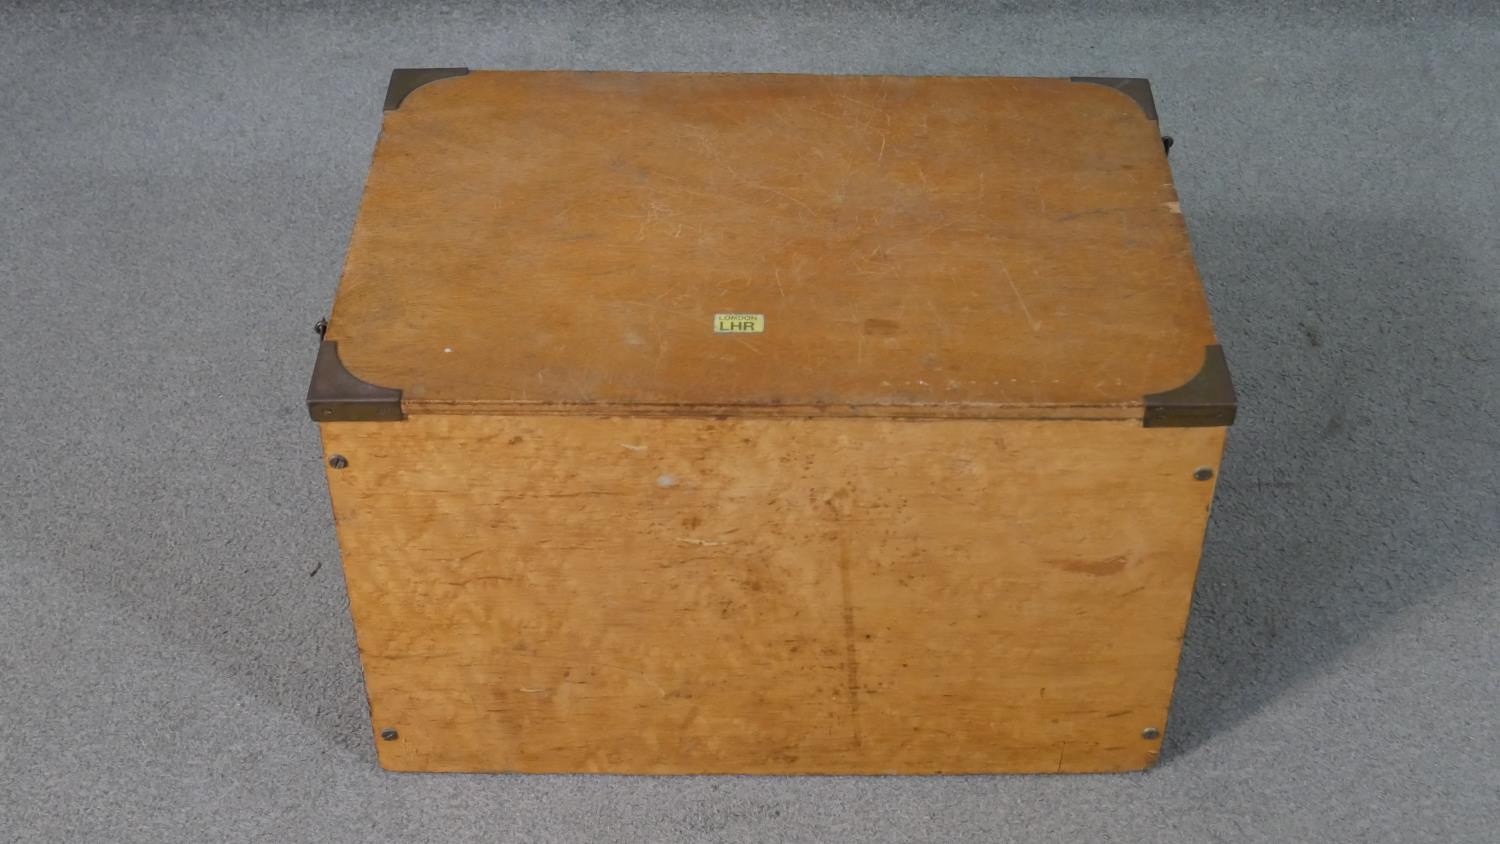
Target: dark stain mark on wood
column 1098, row 568
column 851, row 656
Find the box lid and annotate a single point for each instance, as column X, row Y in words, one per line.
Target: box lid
column 750, row 244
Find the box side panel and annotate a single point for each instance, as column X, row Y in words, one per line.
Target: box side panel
column 760, row 596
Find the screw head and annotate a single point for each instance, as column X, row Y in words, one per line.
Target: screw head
column 1149, row 734
column 1203, row 473
column 389, row 734
column 338, row 461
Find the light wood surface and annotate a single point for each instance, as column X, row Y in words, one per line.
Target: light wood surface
column 558, row 242
column 841, row 595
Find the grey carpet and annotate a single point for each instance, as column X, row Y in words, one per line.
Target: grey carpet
column 177, row 184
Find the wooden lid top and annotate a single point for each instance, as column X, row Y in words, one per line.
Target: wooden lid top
column 561, row 242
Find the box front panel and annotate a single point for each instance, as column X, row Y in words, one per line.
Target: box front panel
column 769, row 596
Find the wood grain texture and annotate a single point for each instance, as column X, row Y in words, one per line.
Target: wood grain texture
column 760, row 596
column 558, row 242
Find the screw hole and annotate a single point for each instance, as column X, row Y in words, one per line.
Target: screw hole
column 1149, row 734
column 389, row 734
column 1203, row 473
column 338, row 461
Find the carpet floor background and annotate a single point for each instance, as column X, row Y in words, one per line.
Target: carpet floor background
column 177, row 186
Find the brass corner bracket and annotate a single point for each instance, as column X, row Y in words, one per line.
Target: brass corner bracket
column 404, row 80
column 336, row 395
column 1207, row 399
column 1136, row 89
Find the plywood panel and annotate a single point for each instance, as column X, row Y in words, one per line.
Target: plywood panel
column 553, row 241
column 686, row 595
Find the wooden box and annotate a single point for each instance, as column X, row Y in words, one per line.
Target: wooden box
column 688, row 423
